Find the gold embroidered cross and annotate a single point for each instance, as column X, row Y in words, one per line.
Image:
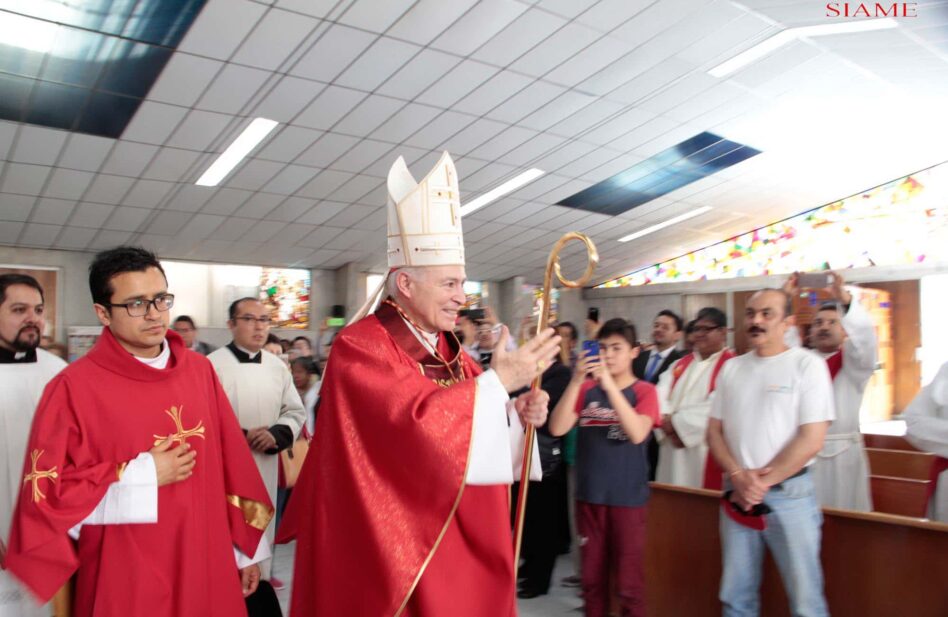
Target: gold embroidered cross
column 36, row 475
column 182, row 435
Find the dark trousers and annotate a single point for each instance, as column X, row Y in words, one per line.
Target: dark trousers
column 545, row 524
column 612, row 540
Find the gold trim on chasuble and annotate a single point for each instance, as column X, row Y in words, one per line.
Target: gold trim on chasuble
column 36, row 475
column 256, row 514
column 454, row 508
column 181, row 435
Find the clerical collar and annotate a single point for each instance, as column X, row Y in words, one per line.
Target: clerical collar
column 243, row 356
column 160, row 361
column 716, row 354
column 17, row 357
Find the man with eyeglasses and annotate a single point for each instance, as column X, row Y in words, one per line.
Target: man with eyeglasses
column 137, row 477
column 260, row 388
column 685, row 393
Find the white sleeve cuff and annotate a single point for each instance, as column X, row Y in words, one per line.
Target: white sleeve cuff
column 131, row 500
column 263, row 552
column 490, row 461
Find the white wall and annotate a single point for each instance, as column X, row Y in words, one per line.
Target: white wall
column 934, row 293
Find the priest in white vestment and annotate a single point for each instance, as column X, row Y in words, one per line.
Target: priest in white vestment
column 685, row 392
column 24, row 372
column 926, row 419
column 260, row 388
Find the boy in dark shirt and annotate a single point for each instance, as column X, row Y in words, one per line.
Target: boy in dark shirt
column 616, row 413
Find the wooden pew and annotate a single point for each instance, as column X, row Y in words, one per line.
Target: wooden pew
column 902, row 496
column 875, row 565
column 900, row 463
column 888, row 442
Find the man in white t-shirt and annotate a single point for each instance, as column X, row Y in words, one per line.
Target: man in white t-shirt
column 769, row 416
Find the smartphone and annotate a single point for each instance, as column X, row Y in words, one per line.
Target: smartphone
column 336, row 322
column 593, row 314
column 814, row 280
column 590, row 348
column 476, row 314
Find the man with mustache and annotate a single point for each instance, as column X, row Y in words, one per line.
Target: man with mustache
column 842, row 332
column 769, row 415
column 24, row 372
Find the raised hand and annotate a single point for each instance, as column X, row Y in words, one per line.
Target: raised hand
column 533, row 407
column 516, row 369
column 173, row 464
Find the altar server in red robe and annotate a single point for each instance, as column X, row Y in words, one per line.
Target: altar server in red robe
column 402, row 507
column 137, row 476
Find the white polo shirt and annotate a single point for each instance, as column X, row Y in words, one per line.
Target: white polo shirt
column 762, row 401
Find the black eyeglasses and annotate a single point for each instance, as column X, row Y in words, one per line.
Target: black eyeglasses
column 264, row 319
column 139, row 307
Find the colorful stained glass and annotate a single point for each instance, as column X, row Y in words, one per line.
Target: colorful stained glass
column 902, row 222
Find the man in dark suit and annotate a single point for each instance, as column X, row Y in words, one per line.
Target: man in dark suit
column 651, row 363
column 184, row 326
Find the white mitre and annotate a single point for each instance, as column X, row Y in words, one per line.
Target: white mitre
column 424, row 221
column 424, row 218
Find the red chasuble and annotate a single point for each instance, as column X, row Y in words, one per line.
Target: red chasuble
column 95, row 416
column 383, row 520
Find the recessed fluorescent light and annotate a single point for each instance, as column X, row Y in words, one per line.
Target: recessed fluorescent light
column 664, row 224
column 507, row 187
column 791, row 34
column 235, row 153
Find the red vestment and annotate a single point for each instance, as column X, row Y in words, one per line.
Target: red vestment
column 383, row 520
column 95, row 416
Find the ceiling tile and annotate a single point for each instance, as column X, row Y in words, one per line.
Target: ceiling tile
column 525, row 102
column 358, row 158
column 493, row 92
column 368, row 115
column 472, row 136
column 405, row 122
column 147, row 193
column 287, row 98
column 262, row 231
column 254, row 174
column 107, row 239
column 200, row 129
column 375, row 16
column 232, row 89
column 259, row 205
column 324, row 184
column 435, row 132
column 9, row 232
column 352, row 214
column 24, row 179
column 125, row 219
column 727, row 40
column 427, row 19
column 85, row 152
column 480, row 24
column 226, row 201
column 16, row 207
column 457, row 84
column 168, row 223
column 92, row 215
column 358, row 188
column 220, row 27
column 527, row 31
column 36, row 234
column 348, row 239
column 526, row 153
column 171, row 164
column 290, row 179
column 232, row 229
column 336, row 48
column 377, row 64
column 315, row 8
column 38, row 145
column 563, row 155
column 75, row 237
column 486, row 177
column 607, row 14
column 503, row 143
column 556, row 50
column 327, row 149
column 67, row 183
column 601, row 54
column 108, row 189
column 618, row 125
column 129, row 159
column 652, row 80
column 189, row 198
column 425, row 69
column 273, row 39
column 289, row 143
column 183, row 79
column 322, row 212
column 52, row 211
column 332, row 104
column 291, row 209
column 320, row 237
column 558, row 109
column 154, row 123
column 7, row 133
column 199, row 227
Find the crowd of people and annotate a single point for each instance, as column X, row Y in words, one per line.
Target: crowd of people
column 152, row 467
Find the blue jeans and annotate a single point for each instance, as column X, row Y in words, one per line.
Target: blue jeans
column 793, row 537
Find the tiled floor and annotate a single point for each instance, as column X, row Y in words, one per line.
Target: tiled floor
column 560, row 600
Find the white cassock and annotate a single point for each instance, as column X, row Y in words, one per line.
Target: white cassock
column 21, row 387
column 262, row 394
column 926, row 419
column 841, row 469
column 688, row 403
